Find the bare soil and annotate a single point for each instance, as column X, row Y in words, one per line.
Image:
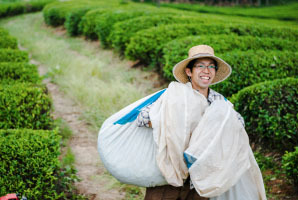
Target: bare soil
column 83, row 144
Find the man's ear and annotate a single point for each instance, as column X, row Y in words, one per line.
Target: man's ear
column 187, row 71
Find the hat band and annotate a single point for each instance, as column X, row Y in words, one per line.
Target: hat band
column 202, row 54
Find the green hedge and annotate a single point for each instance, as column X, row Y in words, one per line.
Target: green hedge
column 75, row 15
column 8, row 42
column 16, row 8
column 106, row 20
column 256, row 66
column 88, row 23
column 25, row 106
column 18, row 72
column 262, row 60
column 55, row 13
column 146, row 45
column 270, row 113
column 290, row 163
column 29, row 163
column 73, row 19
column 3, row 32
column 123, row 31
column 283, row 12
column 11, row 55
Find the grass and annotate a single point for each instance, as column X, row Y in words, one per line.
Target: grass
column 98, row 80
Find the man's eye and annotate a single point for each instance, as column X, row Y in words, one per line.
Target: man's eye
column 201, row 66
column 211, row 67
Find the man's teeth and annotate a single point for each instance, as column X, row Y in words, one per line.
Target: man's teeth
column 204, row 77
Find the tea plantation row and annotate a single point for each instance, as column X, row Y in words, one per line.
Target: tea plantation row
column 29, row 140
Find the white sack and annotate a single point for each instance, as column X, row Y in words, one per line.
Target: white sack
column 214, row 140
column 173, row 118
column 128, row 151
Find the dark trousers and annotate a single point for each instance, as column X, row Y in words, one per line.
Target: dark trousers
column 168, row 192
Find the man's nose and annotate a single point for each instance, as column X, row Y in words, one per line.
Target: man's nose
column 206, row 70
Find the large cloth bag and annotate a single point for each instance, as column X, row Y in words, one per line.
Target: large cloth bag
column 127, row 151
column 207, row 142
column 223, row 164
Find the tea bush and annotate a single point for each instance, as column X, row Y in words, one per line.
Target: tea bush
column 282, row 12
column 75, row 15
column 13, row 55
column 24, row 105
column 123, row 31
column 55, row 13
column 106, row 20
column 146, row 45
column 18, row 72
column 264, row 62
column 270, row 113
column 8, row 42
column 177, row 50
column 29, row 163
column 16, row 8
column 73, row 19
column 256, row 66
column 88, row 23
column 290, row 163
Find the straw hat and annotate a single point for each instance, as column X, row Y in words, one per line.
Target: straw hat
column 202, row 51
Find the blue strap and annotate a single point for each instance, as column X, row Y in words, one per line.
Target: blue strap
column 189, row 159
column 132, row 115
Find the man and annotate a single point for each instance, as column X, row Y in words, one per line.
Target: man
column 202, row 69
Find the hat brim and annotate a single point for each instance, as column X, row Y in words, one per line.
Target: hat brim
column 223, row 72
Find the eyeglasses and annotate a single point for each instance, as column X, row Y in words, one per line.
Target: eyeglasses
column 204, row 67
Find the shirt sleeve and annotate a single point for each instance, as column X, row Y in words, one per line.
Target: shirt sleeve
column 143, row 118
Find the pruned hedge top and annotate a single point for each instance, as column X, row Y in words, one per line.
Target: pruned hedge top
column 11, row 55
column 146, row 45
column 11, row 72
column 8, row 42
column 29, row 163
column 106, row 20
column 25, row 106
column 123, row 31
column 270, row 113
column 177, row 50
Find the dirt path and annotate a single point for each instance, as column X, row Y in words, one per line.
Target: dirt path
column 83, row 144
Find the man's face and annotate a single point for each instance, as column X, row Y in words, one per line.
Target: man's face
column 202, row 74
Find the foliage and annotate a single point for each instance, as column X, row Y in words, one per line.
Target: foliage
column 73, row 19
column 24, row 168
column 18, row 72
column 264, row 162
column 282, row 12
column 16, row 8
column 11, row 55
column 106, row 20
column 7, row 41
column 124, row 30
column 89, row 21
column 24, row 105
column 255, row 60
column 290, row 163
column 269, row 110
column 54, row 14
column 146, row 45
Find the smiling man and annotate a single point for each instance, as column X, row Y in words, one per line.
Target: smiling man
column 201, row 69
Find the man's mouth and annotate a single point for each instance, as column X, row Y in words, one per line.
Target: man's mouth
column 205, row 77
